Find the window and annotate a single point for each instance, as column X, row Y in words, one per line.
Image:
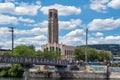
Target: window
column 59, row 50
column 50, row 14
column 55, row 15
column 56, row 48
column 51, row 48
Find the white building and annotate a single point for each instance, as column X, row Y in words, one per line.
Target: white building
column 67, row 52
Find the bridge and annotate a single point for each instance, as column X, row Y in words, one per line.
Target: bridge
column 28, row 61
column 25, row 60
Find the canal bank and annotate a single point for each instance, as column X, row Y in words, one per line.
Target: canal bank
column 91, row 71
column 69, row 74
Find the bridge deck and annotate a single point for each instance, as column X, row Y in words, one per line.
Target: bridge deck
column 31, row 60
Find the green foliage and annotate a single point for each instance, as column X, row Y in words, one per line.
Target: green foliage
column 103, row 55
column 79, row 53
column 15, row 70
column 49, row 54
column 115, row 65
column 8, row 53
column 24, row 50
column 92, row 54
column 3, row 73
column 114, row 48
column 32, row 47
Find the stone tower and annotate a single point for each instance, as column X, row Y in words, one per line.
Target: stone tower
column 53, row 26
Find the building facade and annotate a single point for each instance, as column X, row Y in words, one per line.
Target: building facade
column 2, row 51
column 67, row 52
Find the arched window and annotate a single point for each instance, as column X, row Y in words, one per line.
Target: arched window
column 52, row 48
column 59, row 50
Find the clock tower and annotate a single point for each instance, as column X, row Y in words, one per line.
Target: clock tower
column 53, row 26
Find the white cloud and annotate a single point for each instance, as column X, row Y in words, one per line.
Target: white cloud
column 9, row 0
column 104, row 24
column 25, row 9
column 62, row 10
column 98, row 34
column 26, row 20
column 32, row 40
column 21, row 9
column 113, row 38
column 105, row 40
column 35, row 36
column 68, row 25
column 75, row 33
column 37, row 41
column 103, row 5
column 6, row 7
column 4, row 32
column 114, row 4
column 5, row 19
column 99, row 5
column 74, row 37
column 34, row 31
column 38, row 2
column 40, row 24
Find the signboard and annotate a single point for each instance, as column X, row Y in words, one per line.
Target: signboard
column 114, row 69
column 96, row 68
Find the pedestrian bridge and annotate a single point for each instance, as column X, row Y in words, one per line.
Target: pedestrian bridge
column 25, row 60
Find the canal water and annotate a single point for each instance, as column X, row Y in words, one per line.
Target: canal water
column 50, row 79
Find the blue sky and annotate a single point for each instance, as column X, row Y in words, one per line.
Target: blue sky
column 30, row 19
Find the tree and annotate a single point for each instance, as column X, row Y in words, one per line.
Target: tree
column 49, row 54
column 92, row 54
column 104, row 56
column 3, row 72
column 80, row 53
column 15, row 70
column 23, row 50
column 32, row 47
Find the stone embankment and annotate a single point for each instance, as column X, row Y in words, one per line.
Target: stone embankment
column 83, row 72
column 69, row 74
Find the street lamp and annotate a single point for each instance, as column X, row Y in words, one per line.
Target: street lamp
column 86, row 52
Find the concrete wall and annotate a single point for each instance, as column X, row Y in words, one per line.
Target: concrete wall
column 70, row 74
column 77, row 74
column 114, row 72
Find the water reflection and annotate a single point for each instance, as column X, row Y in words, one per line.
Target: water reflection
column 50, row 79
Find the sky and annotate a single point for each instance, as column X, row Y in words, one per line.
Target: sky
column 30, row 21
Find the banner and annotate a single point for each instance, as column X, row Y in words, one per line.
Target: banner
column 96, row 68
column 114, row 69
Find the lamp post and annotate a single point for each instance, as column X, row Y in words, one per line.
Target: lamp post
column 12, row 34
column 108, row 75
column 86, row 54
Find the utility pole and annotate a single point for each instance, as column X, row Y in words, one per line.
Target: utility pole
column 12, row 34
column 86, row 52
